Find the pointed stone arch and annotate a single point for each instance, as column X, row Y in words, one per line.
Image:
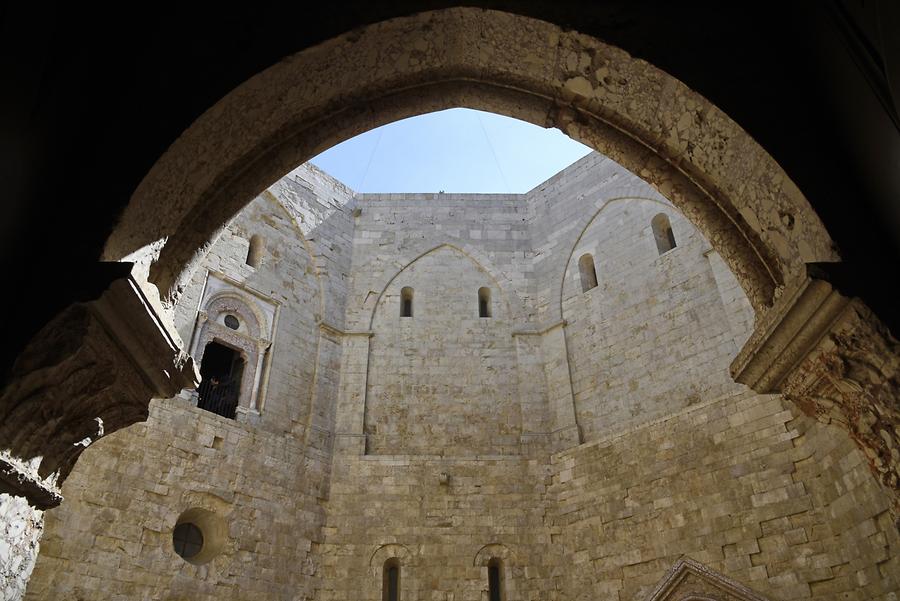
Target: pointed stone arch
column 587, row 224
column 690, row 580
column 503, row 282
column 639, row 116
column 491, row 551
column 388, row 551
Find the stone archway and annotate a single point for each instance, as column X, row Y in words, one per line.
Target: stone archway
column 828, row 352
column 637, row 115
column 807, row 339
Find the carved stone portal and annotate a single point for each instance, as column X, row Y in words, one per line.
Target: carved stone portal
column 832, row 357
column 250, row 333
column 688, row 580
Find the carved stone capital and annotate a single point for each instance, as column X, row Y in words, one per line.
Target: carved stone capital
column 91, row 371
column 837, row 362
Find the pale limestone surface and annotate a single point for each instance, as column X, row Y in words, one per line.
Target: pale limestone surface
column 445, row 438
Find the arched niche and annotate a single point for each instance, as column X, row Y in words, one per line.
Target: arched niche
column 493, row 550
column 572, row 267
column 499, row 284
column 388, row 551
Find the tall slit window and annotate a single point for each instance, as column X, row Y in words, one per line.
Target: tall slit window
column 495, row 580
column 662, row 233
column 588, row 272
column 406, row 302
column 484, row 302
column 255, row 252
column 390, row 588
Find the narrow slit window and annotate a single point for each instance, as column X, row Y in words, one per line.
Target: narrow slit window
column 588, row 272
column 390, row 588
column 484, row 302
column 495, row 580
column 406, row 302
column 255, row 252
column 662, row 233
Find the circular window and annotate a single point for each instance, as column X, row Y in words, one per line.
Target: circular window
column 187, row 540
column 199, row 535
column 232, row 322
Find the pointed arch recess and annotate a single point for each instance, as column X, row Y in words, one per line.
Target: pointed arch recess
column 388, row 551
column 491, row 551
column 489, row 270
column 587, row 225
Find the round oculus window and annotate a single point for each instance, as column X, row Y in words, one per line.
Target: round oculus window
column 187, row 540
column 232, row 322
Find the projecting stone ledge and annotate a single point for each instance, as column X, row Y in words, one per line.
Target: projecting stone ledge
column 91, row 371
column 831, row 356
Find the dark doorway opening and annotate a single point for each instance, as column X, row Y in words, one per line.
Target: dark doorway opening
column 221, row 373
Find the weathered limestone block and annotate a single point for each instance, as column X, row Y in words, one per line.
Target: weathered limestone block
column 834, row 358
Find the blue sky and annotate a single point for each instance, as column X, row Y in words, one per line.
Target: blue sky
column 457, row 150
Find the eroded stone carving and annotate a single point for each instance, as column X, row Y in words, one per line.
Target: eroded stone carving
column 689, row 580
column 89, row 372
column 834, row 358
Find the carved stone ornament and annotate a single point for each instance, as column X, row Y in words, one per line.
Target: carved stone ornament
column 689, row 580
column 92, row 370
column 832, row 357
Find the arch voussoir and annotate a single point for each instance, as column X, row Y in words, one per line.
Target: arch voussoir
column 639, row 116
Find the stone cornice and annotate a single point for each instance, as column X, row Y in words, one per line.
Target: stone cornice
column 794, row 328
column 89, row 372
column 327, row 327
column 541, row 330
column 833, row 358
column 130, row 320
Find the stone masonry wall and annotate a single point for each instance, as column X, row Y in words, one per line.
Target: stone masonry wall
column 659, row 331
column 443, row 380
column 653, row 336
column 459, row 415
column 744, row 485
column 295, row 273
column 393, row 230
column 112, row 537
column 382, row 507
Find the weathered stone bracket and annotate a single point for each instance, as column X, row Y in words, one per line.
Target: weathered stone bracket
column 832, row 357
column 91, row 371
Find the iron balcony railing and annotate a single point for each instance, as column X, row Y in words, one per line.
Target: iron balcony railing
column 220, row 398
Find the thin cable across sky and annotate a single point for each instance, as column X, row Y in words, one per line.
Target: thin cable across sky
column 456, row 150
